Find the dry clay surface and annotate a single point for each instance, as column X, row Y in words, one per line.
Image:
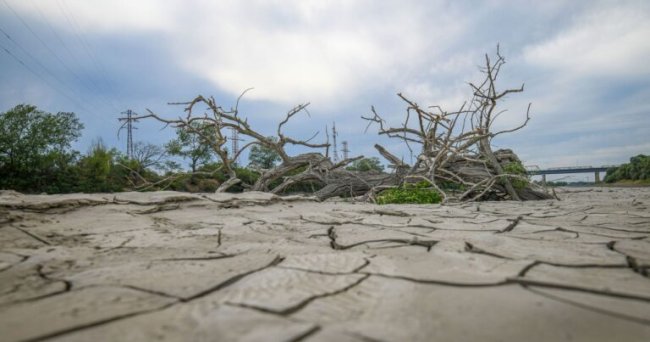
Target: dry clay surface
column 256, row 267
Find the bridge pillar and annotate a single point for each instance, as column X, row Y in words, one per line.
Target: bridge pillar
column 544, row 180
column 597, row 177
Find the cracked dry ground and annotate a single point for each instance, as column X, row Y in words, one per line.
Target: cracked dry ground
column 249, row 267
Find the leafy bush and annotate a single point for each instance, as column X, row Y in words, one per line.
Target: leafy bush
column 515, row 168
column 108, row 170
column 247, row 176
column 419, row 193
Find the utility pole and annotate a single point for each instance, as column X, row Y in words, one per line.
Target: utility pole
column 335, row 156
column 345, row 150
column 128, row 123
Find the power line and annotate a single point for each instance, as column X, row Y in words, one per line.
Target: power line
column 69, row 16
column 47, row 47
column 67, row 49
column 42, row 78
column 36, row 61
column 22, row 63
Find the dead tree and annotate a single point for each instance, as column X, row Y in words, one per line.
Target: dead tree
column 317, row 166
column 455, row 147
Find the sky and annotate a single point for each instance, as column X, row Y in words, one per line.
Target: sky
column 585, row 66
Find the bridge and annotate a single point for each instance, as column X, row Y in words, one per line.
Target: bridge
column 534, row 170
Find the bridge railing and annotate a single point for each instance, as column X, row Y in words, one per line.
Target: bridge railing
column 571, row 168
column 535, row 170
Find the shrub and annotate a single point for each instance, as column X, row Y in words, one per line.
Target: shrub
column 419, row 193
column 637, row 169
column 515, row 168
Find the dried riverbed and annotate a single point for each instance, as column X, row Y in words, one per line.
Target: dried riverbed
column 256, row 267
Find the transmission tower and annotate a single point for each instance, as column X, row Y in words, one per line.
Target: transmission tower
column 345, row 150
column 234, row 140
column 128, row 124
column 335, row 156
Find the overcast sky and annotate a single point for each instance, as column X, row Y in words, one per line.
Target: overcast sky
column 586, row 65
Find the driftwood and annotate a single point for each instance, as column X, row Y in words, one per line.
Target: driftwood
column 455, row 155
column 317, row 166
column 455, row 146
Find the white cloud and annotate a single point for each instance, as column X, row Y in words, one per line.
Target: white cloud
column 326, row 52
column 609, row 41
column 581, row 61
column 450, row 97
column 115, row 16
column 291, row 51
column 586, row 83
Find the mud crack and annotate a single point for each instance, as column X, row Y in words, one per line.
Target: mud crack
column 331, row 233
column 511, row 226
column 302, row 304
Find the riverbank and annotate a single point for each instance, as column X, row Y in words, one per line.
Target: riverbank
column 257, row 267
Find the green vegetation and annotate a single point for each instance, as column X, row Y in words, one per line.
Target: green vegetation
column 263, row 157
column 419, row 193
column 366, row 164
column 191, row 146
column 35, row 152
column 97, row 171
column 36, row 156
column 516, row 168
column 627, row 182
column 637, row 170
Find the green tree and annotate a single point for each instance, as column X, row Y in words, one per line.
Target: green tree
column 366, row 164
column 35, row 148
column 263, row 157
column 191, row 146
column 637, row 169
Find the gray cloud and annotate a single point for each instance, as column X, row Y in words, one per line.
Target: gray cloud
column 583, row 64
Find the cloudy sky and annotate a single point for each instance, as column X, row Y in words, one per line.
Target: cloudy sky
column 585, row 64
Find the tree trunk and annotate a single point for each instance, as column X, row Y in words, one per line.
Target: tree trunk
column 352, row 183
column 487, row 153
